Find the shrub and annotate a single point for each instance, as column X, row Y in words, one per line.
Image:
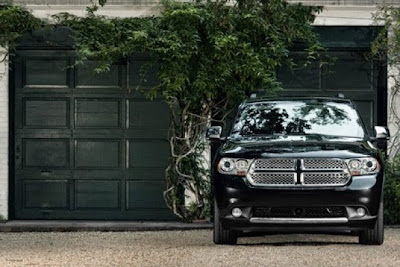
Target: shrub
column 392, row 191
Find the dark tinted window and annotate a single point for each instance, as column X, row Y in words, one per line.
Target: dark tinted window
column 298, row 117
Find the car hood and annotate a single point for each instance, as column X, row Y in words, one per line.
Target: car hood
column 298, row 147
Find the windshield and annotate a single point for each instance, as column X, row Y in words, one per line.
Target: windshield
column 298, row 118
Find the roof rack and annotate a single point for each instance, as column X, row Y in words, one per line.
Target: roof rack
column 293, row 98
column 340, row 95
column 260, row 95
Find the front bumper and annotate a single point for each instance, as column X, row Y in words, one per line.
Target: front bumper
column 363, row 191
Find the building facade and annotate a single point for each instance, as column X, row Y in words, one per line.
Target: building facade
column 78, row 146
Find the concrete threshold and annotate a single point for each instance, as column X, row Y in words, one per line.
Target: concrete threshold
column 96, row 226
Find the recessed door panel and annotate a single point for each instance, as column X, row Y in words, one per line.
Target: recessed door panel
column 142, row 73
column 148, row 154
column 45, row 153
column 351, row 71
column 46, row 72
column 92, row 194
column 97, row 154
column 45, row 194
column 97, row 113
column 46, row 113
column 367, row 112
column 305, row 75
column 148, row 115
column 88, row 77
column 145, row 195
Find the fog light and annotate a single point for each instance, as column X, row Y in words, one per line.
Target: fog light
column 236, row 212
column 361, row 212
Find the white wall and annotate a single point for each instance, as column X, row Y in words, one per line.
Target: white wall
column 45, row 11
column 3, row 138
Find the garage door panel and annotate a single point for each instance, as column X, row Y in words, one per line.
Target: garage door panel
column 46, row 72
column 46, row 133
column 45, row 194
column 143, row 173
column 82, row 136
column 97, row 154
column 98, row 133
column 137, row 77
column 43, row 174
column 300, row 77
column 97, row 194
column 46, row 113
column 98, row 113
column 153, row 134
column 148, row 115
column 145, row 194
column 98, row 174
column 87, row 77
column 367, row 112
column 49, row 153
column 148, row 153
column 350, row 71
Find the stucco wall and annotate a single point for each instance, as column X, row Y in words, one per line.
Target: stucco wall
column 3, row 138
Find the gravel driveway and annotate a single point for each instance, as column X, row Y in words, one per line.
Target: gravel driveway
column 192, row 248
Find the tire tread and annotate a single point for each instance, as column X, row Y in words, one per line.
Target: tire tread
column 374, row 236
column 220, row 234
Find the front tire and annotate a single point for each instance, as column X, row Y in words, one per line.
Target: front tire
column 374, row 236
column 220, row 234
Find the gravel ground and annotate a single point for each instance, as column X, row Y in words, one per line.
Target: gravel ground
column 192, row 248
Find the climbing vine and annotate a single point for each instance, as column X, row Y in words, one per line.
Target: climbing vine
column 209, row 55
column 15, row 21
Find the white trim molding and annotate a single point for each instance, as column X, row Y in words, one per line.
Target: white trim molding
column 346, row 16
column 4, row 127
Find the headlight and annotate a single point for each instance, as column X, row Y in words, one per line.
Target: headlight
column 234, row 166
column 363, row 166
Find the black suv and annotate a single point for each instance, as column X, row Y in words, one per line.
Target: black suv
column 304, row 164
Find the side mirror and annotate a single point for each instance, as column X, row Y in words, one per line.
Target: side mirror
column 214, row 132
column 381, row 133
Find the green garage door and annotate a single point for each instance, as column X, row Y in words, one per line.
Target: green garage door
column 353, row 72
column 85, row 148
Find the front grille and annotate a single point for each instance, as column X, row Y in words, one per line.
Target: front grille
column 322, row 164
column 271, row 179
column 274, row 164
column 324, row 178
column 299, row 212
column 298, row 172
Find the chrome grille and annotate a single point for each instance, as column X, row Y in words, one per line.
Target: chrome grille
column 310, row 172
column 322, row 164
column 272, row 179
column 274, row 164
column 324, row 178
